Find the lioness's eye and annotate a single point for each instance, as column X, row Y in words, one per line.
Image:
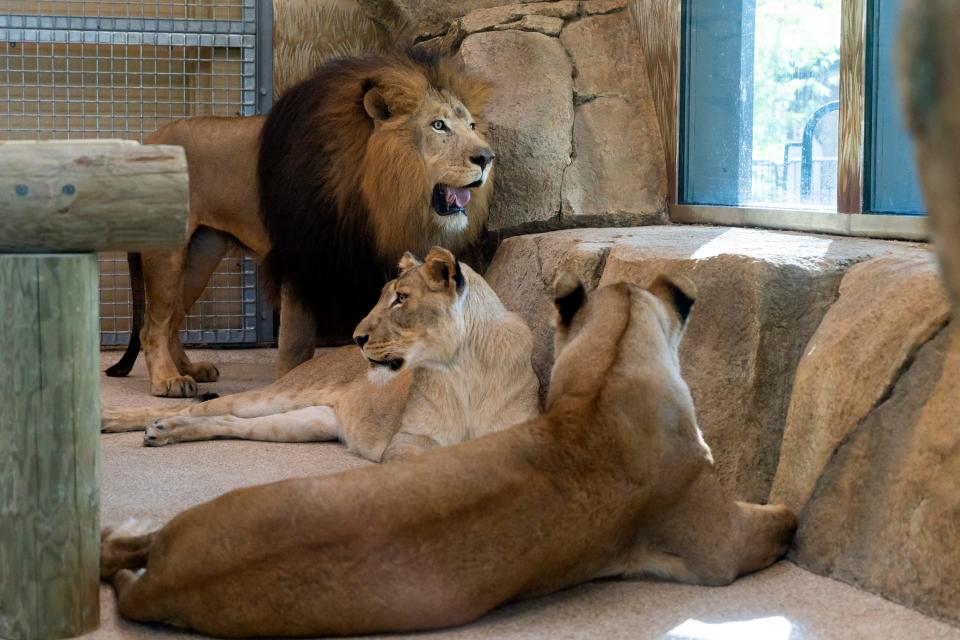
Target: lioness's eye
column 473, row 125
column 438, row 125
column 399, row 299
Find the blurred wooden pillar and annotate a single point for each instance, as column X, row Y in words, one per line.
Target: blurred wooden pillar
column 853, row 31
column 930, row 77
column 49, row 446
column 75, row 198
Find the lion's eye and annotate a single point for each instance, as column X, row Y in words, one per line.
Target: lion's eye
column 438, row 125
column 399, row 299
column 473, row 125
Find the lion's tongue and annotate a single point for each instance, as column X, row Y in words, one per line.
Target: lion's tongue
column 459, row 196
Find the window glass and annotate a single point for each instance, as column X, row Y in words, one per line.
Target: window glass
column 760, row 100
column 891, row 181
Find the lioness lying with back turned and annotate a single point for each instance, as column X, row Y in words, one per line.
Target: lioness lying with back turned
column 449, row 363
column 613, row 480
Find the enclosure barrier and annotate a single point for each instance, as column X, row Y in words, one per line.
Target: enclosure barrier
column 60, row 202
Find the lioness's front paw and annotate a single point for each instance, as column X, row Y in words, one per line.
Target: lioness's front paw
column 162, row 432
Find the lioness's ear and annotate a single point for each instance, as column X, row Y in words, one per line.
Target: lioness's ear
column 677, row 292
column 568, row 296
column 408, row 261
column 375, row 104
column 442, row 270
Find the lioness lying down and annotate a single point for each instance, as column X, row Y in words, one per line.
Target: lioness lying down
column 442, row 361
column 614, row 480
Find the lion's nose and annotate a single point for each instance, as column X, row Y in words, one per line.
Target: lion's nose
column 361, row 340
column 482, row 159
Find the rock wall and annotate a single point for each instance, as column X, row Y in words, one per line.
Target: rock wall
column 824, row 373
column 572, row 119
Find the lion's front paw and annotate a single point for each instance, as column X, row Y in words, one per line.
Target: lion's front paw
column 163, row 432
column 202, row 371
column 176, row 387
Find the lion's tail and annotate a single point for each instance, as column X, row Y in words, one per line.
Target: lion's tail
column 138, row 297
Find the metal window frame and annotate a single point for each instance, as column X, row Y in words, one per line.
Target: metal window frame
column 889, row 181
column 665, row 21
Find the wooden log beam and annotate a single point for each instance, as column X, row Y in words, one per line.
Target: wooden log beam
column 92, row 196
column 930, row 76
column 49, row 446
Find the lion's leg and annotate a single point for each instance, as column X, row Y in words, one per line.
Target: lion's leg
column 121, row 419
column 246, row 404
column 765, row 534
column 407, row 445
column 710, row 539
column 311, row 424
column 298, row 332
column 163, row 278
column 125, row 547
column 207, row 248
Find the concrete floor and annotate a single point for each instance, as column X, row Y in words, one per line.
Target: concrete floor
column 783, row 602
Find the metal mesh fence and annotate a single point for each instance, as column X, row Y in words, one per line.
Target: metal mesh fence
column 75, row 69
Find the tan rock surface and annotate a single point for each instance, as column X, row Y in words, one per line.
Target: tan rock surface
column 885, row 514
column 617, row 170
column 530, row 116
column 886, row 310
column 762, row 296
column 486, row 19
column 542, row 24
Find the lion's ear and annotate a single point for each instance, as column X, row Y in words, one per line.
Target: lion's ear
column 677, row 292
column 375, row 104
column 442, row 271
column 408, row 261
column 568, row 296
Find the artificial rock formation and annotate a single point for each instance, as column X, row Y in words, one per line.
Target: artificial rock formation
column 572, row 118
column 761, row 297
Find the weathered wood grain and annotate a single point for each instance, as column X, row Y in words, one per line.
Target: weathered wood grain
column 852, row 88
column 930, row 75
column 79, row 196
column 49, row 446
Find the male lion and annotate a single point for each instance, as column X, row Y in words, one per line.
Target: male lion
column 613, row 480
column 367, row 159
column 455, row 365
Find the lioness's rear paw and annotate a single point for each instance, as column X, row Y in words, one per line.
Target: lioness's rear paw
column 162, row 432
column 176, row 387
column 202, row 371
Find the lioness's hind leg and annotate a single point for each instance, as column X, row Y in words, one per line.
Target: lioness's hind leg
column 311, row 424
column 119, row 420
column 766, row 534
column 125, row 547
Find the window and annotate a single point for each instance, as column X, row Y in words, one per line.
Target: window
column 761, row 104
column 892, row 180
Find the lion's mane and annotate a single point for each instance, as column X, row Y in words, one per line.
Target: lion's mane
column 340, row 213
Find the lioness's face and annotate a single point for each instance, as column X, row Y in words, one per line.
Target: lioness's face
column 418, row 320
column 456, row 157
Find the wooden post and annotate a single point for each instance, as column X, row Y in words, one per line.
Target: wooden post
column 49, row 378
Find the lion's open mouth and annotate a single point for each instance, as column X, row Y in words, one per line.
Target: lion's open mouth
column 449, row 200
column 393, row 363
